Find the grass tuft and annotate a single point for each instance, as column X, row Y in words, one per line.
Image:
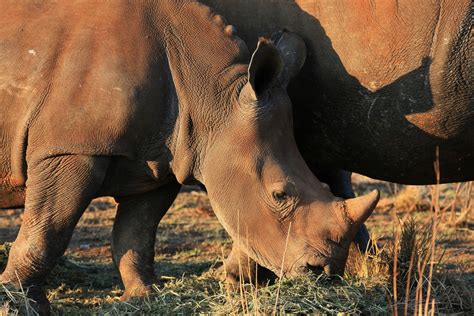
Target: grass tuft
column 14, row 302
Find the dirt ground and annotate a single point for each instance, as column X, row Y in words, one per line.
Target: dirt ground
column 190, row 240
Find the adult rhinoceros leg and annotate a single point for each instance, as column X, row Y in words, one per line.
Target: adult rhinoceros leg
column 58, row 191
column 238, row 267
column 134, row 233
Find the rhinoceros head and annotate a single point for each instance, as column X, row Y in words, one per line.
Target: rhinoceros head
column 261, row 188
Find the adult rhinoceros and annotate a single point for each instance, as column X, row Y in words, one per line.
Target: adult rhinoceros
column 385, row 84
column 132, row 99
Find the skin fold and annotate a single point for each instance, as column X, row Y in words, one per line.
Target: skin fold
column 132, row 101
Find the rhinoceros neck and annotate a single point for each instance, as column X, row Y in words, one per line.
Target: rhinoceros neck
column 204, row 58
column 207, row 64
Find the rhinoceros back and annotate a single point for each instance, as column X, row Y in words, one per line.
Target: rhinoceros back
column 69, row 83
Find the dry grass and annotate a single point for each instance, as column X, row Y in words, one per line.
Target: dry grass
column 422, row 283
column 417, row 268
column 14, row 302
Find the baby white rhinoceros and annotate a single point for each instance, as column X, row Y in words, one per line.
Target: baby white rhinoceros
column 133, row 99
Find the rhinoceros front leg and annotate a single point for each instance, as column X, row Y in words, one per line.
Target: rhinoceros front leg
column 133, row 237
column 58, row 191
column 239, row 267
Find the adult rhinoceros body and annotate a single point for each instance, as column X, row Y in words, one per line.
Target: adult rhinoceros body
column 384, row 85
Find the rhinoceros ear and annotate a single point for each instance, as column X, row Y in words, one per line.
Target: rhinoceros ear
column 265, row 67
column 293, row 52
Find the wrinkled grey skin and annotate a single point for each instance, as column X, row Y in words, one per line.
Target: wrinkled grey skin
column 385, row 84
column 135, row 99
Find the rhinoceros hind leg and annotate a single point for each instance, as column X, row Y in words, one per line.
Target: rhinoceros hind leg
column 58, row 191
column 133, row 237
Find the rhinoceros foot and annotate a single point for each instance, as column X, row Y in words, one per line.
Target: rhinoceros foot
column 37, row 300
column 137, row 293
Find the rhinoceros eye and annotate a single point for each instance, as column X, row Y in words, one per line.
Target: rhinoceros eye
column 280, row 196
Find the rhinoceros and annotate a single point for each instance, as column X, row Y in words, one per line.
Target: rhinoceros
column 134, row 99
column 386, row 86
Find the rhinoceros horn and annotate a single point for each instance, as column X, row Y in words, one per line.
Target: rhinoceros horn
column 360, row 208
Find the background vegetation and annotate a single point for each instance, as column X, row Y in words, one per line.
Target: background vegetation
column 423, row 263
